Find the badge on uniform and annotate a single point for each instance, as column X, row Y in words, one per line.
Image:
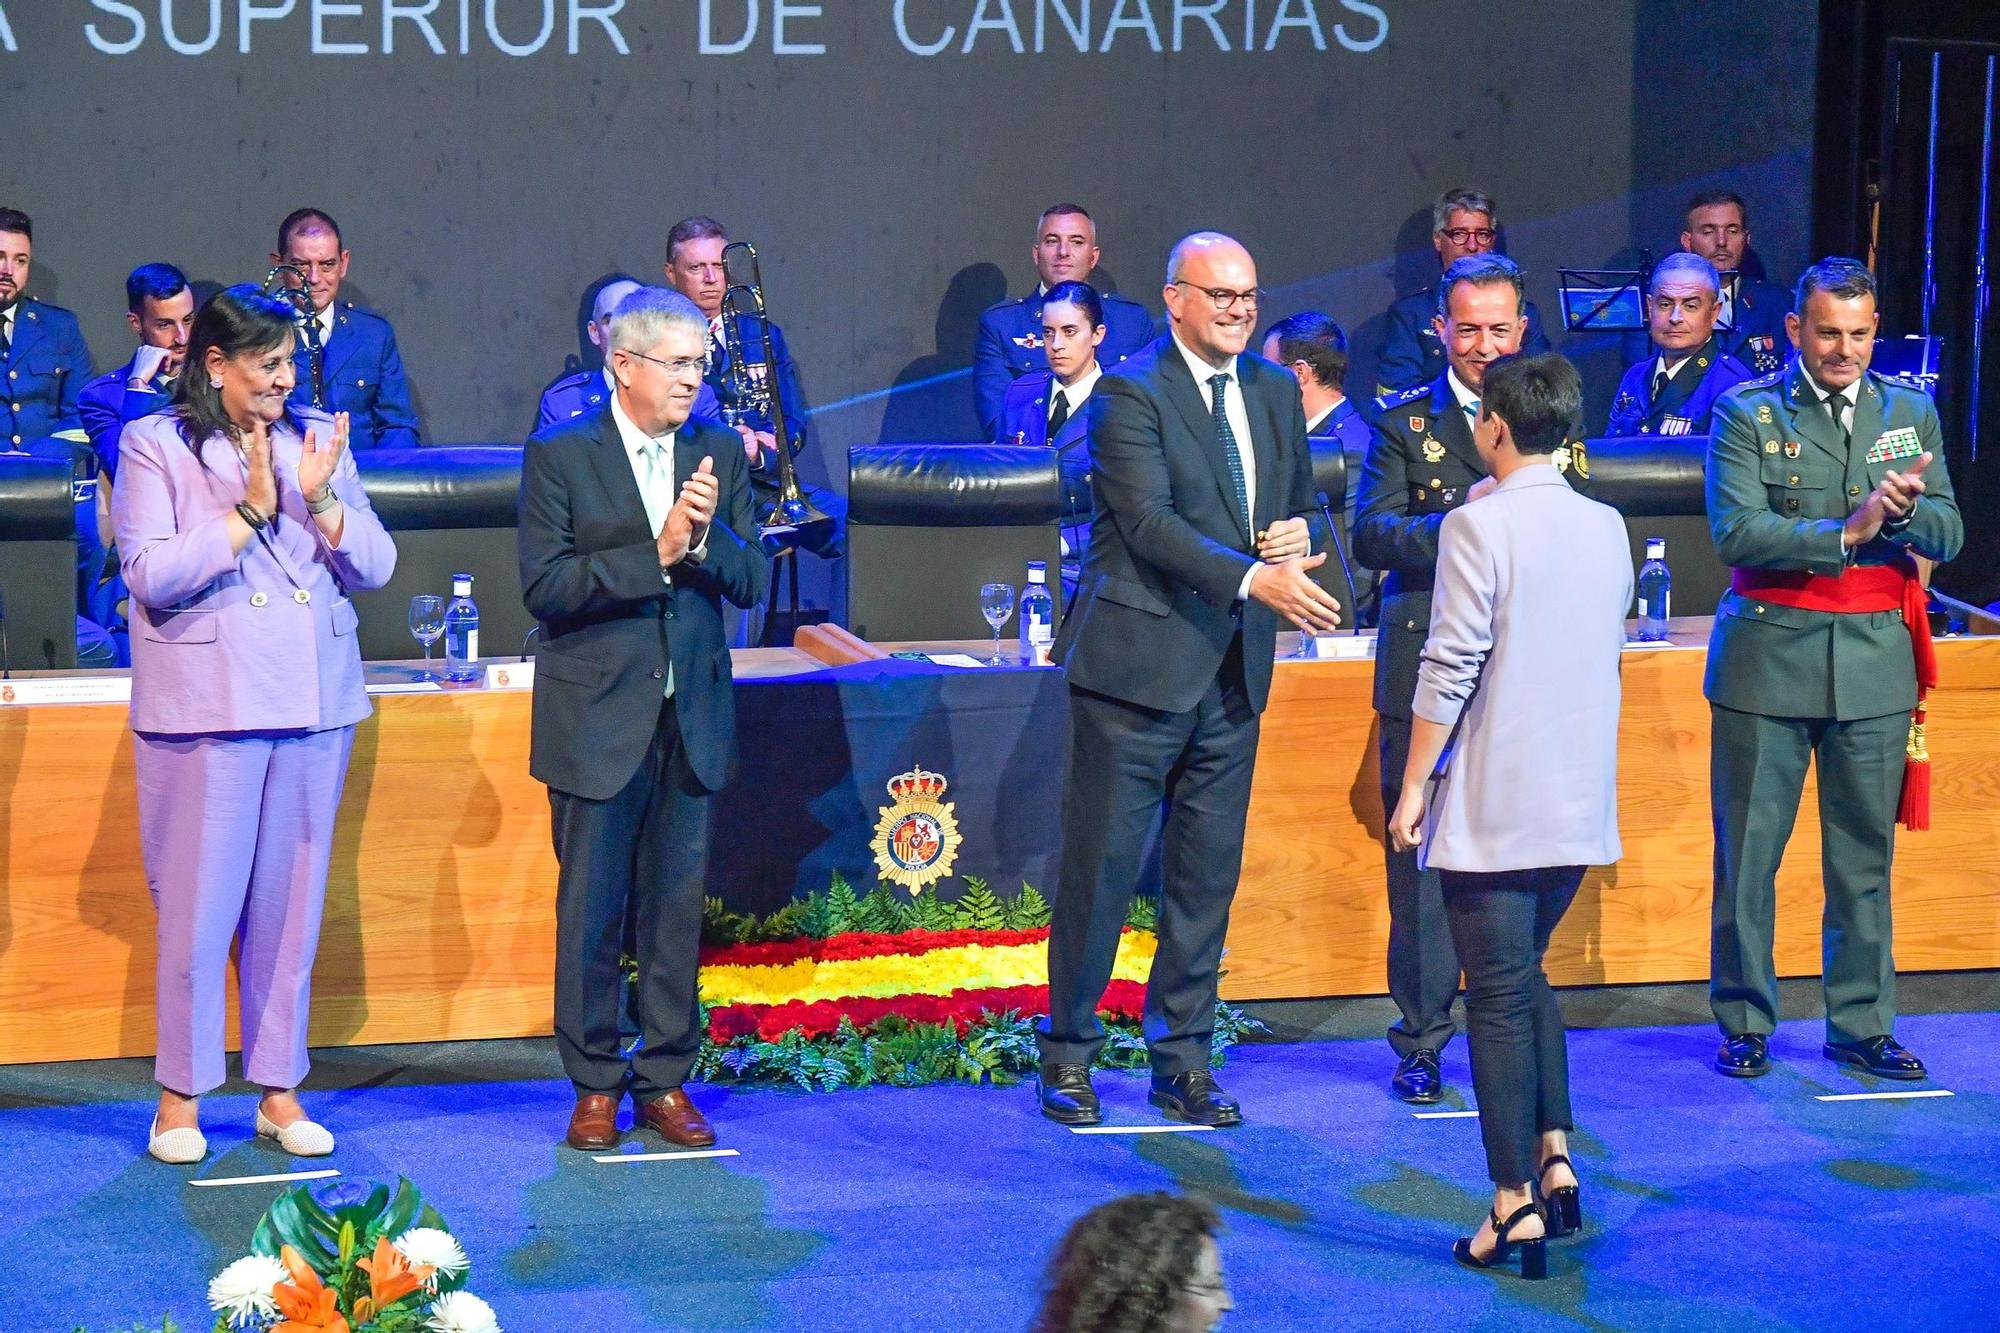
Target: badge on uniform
column 1416, row 423
column 1770, row 446
column 1031, row 341
column 1763, row 414
column 1451, row 496
column 1673, row 425
column 1624, row 403
column 1791, row 448
column 1901, row 442
column 1433, row 451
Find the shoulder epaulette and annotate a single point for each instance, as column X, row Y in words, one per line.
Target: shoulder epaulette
column 1401, row 396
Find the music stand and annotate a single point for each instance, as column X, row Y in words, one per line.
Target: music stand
column 1603, row 300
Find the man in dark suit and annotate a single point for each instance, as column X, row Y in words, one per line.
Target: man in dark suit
column 1010, row 341
column 1464, row 222
column 576, row 392
column 1422, row 465
column 1199, row 542
column 635, row 525
column 346, row 356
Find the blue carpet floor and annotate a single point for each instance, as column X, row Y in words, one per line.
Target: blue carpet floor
column 1711, row 1203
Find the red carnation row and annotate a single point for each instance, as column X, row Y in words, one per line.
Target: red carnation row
column 862, row 944
column 820, row 1018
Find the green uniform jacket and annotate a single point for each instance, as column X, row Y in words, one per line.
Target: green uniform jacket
column 1780, row 486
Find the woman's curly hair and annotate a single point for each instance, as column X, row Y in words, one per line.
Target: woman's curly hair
column 1122, row 1266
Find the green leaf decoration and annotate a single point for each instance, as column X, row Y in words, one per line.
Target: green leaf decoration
column 841, row 907
column 880, row 913
column 1027, row 910
column 1144, row 914
column 977, row 908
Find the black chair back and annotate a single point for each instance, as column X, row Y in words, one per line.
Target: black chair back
column 1656, row 482
column 38, row 562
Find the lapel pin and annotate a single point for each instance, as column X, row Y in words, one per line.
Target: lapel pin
column 1791, row 448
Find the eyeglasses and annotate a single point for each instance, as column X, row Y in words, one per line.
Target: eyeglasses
column 680, row 365
column 1225, row 300
column 1466, row 235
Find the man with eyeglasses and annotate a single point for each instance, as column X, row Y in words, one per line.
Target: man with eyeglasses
column 1200, row 542
column 1464, row 222
column 635, row 526
column 1010, row 332
column 1750, row 319
column 1421, row 465
column 345, row 356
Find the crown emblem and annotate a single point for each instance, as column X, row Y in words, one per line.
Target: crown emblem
column 917, row 785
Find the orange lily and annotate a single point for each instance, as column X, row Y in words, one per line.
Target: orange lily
column 390, row 1276
column 306, row 1304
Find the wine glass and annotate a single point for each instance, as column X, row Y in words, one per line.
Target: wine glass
column 426, row 624
column 996, row 603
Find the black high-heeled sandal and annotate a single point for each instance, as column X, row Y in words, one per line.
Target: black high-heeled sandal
column 1563, row 1206
column 1534, row 1253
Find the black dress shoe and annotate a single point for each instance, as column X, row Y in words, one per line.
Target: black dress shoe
column 1883, row 1057
column 1195, row 1098
column 1067, row 1097
column 1418, row 1079
column 1744, row 1055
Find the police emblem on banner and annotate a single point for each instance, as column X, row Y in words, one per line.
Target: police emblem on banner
column 917, row 837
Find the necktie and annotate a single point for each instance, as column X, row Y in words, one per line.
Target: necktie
column 1660, row 383
column 1226, row 437
column 1834, row 402
column 6, row 334
column 316, row 360
column 1058, row 414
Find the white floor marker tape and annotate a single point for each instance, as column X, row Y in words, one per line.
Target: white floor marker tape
column 1140, row 1129
column 620, row 1158
column 1884, row 1096
column 266, row 1180
column 1445, row 1115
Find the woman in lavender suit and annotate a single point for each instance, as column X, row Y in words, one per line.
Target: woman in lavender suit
column 242, row 528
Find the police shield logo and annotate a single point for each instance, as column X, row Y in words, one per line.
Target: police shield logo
column 916, row 837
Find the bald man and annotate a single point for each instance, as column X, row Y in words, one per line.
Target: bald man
column 1199, row 545
column 581, row 391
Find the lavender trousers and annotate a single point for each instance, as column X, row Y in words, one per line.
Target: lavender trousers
column 237, row 831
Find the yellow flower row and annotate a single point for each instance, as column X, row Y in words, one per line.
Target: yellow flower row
column 938, row 972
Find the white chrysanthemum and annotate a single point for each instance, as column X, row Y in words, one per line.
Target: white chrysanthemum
column 242, row 1291
column 439, row 1249
column 463, row 1312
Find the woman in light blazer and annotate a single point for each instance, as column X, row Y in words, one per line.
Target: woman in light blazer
column 242, row 528
column 1527, row 624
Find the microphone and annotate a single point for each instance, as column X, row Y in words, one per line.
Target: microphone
column 6, row 658
column 1347, row 574
column 528, row 642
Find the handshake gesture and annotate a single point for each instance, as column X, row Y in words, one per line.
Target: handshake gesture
column 687, row 522
column 1284, row 582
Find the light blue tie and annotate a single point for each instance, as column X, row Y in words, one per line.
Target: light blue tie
column 1219, row 385
column 657, row 504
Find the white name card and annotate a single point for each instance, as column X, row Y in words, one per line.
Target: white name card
column 67, row 690
column 1342, row 647
column 510, row 675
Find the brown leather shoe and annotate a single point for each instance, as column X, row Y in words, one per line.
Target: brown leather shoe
column 593, row 1125
column 676, row 1120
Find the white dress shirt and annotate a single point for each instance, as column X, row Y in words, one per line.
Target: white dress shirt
column 1238, row 413
column 657, row 488
column 1467, row 399
column 323, row 318
column 7, row 322
column 1846, row 397
column 1662, row 366
column 1076, row 394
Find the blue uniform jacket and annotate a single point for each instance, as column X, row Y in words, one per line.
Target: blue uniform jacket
column 1010, row 346
column 790, row 393
column 47, row 365
column 107, row 403
column 574, row 394
column 1758, row 338
column 1687, row 407
column 1412, row 354
column 363, row 372
column 1024, row 419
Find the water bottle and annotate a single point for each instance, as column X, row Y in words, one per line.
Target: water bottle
column 1656, row 592
column 1037, row 614
column 461, row 632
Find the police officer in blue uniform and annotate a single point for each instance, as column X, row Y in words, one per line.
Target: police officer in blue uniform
column 694, row 268
column 1464, row 222
column 42, row 351
column 159, row 305
column 1751, row 322
column 1421, row 465
column 346, row 356
column 1674, row 392
column 1046, row 407
column 1010, row 332
column 1313, row 347
column 580, row 391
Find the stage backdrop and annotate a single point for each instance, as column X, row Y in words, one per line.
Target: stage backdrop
column 488, row 159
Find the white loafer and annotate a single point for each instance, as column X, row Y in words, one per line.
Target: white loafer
column 301, row 1138
column 176, row 1147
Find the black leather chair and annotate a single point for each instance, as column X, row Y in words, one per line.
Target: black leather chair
column 927, row 524
column 450, row 509
column 38, row 563
column 1656, row 483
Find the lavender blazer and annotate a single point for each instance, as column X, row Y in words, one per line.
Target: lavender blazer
column 258, row 641
column 1532, row 586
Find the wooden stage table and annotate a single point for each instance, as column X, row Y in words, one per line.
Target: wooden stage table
column 439, row 921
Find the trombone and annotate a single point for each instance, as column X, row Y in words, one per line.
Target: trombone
column 755, row 397
column 295, row 294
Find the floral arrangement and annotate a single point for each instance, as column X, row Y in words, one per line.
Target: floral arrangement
column 350, row 1258
column 838, row 990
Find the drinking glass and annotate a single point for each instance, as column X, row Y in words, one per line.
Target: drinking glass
column 426, row 624
column 996, row 603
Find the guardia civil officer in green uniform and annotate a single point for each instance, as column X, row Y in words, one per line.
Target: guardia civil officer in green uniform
column 1823, row 482
column 1421, row 464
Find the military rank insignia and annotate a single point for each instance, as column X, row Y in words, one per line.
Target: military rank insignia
column 1433, row 451
column 1764, row 414
column 1902, row 442
column 1673, row 425
column 1031, row 341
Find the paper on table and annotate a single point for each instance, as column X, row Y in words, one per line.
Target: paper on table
column 955, row 660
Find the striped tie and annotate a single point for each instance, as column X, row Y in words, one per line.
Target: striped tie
column 1219, row 385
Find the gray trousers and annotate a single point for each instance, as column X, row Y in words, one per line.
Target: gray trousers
column 1757, row 773
column 1513, row 1027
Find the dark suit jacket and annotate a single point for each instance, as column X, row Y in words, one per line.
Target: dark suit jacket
column 1155, row 608
column 590, row 573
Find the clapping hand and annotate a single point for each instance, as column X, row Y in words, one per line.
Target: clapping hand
column 690, row 516
column 260, row 482
column 1287, row 539
column 1894, row 497
column 316, row 465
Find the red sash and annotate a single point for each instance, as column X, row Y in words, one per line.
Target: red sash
column 1859, row 590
